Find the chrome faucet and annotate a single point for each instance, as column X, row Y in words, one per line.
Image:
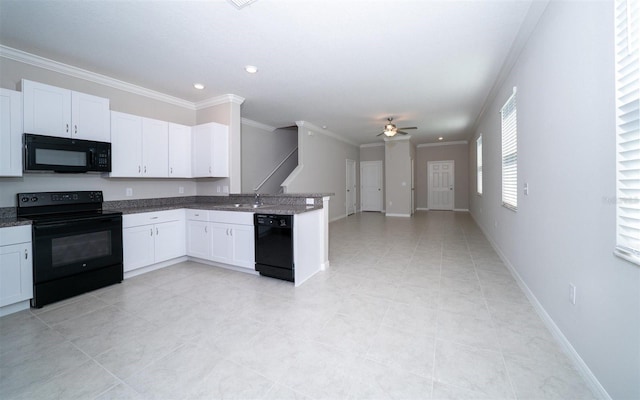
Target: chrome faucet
column 257, row 200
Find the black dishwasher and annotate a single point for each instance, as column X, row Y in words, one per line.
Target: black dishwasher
column 274, row 246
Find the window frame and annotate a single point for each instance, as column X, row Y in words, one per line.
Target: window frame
column 479, row 182
column 627, row 109
column 509, row 153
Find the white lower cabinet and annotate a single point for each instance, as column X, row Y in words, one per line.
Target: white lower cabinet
column 221, row 236
column 153, row 237
column 16, row 275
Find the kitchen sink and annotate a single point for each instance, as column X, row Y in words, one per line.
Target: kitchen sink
column 237, row 205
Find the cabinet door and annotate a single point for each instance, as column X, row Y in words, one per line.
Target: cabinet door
column 201, row 151
column 90, row 117
column 179, row 151
column 221, row 242
column 138, row 246
column 10, row 133
column 155, row 148
column 243, row 249
column 220, row 149
column 47, row 109
column 170, row 240
column 16, row 276
column 198, row 239
column 126, row 145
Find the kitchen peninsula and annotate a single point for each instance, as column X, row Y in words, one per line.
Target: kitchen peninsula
column 218, row 230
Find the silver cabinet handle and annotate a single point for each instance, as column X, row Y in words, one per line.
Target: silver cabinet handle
column 151, row 232
column 230, row 232
column 67, row 127
column 209, row 169
column 138, row 169
column 26, row 254
column 75, row 127
column 171, row 170
column 154, row 217
column 145, row 169
column 156, row 231
column 205, row 229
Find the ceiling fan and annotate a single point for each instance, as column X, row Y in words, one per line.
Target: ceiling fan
column 391, row 130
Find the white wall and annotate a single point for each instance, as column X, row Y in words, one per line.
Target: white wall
column 397, row 177
column 564, row 230
column 322, row 167
column 262, row 150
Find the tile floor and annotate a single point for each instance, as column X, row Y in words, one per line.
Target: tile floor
column 413, row 308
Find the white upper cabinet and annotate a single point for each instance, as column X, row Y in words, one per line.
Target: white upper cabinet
column 155, row 148
column 90, row 117
column 139, row 147
column 210, row 154
column 179, row 151
column 10, row 133
column 126, row 145
column 53, row 111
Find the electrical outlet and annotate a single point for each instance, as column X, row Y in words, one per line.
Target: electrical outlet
column 129, row 192
column 181, row 189
column 218, row 189
column 309, row 201
column 526, row 189
column 572, row 293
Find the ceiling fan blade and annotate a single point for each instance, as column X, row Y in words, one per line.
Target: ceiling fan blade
column 409, row 127
column 402, row 133
column 380, row 134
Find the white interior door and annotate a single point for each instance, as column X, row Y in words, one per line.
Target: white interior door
column 440, row 185
column 351, row 187
column 371, row 185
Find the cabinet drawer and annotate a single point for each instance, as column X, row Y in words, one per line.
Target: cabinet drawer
column 197, row 215
column 154, row 217
column 15, row 234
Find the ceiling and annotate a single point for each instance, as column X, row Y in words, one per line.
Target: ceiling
column 345, row 65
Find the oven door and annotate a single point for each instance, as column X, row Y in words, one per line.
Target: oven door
column 67, row 248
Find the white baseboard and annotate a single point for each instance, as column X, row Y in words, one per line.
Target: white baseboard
column 565, row 344
column 14, row 308
column 397, row 215
column 153, row 267
column 422, row 209
column 461, row 209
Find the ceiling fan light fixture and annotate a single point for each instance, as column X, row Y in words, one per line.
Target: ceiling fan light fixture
column 389, row 132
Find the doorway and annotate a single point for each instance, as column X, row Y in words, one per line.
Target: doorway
column 440, row 185
column 371, row 186
column 351, row 187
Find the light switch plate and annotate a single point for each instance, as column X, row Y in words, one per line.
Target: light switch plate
column 310, row 201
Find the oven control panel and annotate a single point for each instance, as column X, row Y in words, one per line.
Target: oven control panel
column 58, row 198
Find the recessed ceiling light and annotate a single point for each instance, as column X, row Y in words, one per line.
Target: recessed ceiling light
column 251, row 69
column 440, row 138
column 198, row 86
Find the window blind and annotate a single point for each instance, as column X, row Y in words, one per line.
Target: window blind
column 627, row 48
column 510, row 153
column 479, row 164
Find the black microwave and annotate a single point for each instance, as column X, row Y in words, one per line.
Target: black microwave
column 58, row 154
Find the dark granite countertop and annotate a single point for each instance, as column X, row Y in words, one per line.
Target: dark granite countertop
column 279, row 209
column 13, row 221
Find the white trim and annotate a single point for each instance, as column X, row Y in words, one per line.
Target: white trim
column 461, row 209
column 362, row 146
column 422, row 209
column 216, row 101
column 41, row 62
column 397, row 215
column 317, row 129
column 255, row 124
column 563, row 342
column 457, row 142
column 14, row 308
column 65, row 69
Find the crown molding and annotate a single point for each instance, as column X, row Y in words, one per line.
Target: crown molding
column 325, row 132
column 362, row 146
column 55, row 66
column 65, row 69
column 216, row 101
column 458, row 142
column 255, row 124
